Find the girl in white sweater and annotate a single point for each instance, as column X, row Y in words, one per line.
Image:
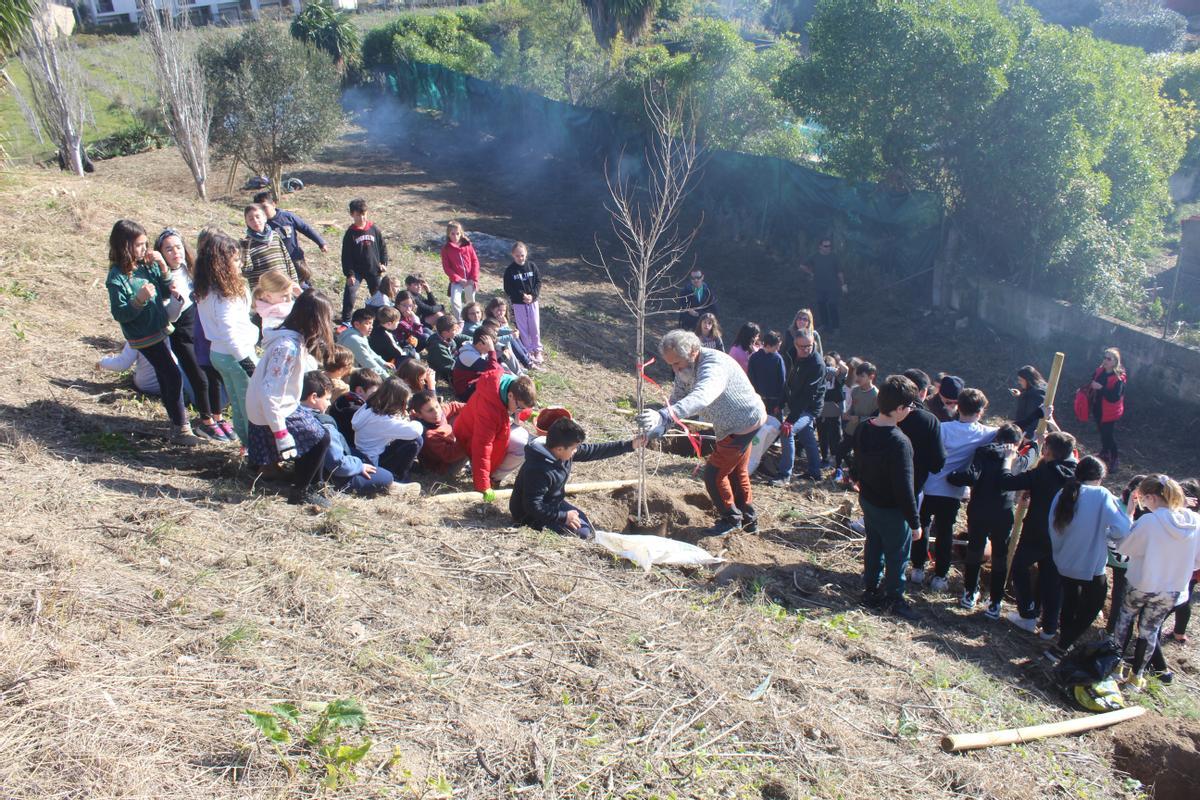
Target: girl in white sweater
column 1163, row 550
column 385, row 433
column 223, row 303
column 280, row 428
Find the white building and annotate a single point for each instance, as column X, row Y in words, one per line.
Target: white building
column 105, row 11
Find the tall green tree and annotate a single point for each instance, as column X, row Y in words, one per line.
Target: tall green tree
column 630, row 18
column 328, row 29
column 1050, row 148
column 276, row 99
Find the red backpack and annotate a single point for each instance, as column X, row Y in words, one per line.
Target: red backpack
column 1083, row 403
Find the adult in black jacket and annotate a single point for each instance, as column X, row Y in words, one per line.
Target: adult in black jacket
column 1042, row 482
column 990, row 513
column 539, row 494
column 924, row 431
column 805, row 396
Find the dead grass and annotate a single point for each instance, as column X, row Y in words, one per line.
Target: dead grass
column 149, row 596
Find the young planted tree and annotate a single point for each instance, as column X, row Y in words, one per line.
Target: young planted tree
column 59, row 102
column 276, row 99
column 645, row 218
column 182, row 92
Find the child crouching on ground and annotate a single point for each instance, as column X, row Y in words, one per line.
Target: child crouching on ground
column 385, row 434
column 441, row 452
column 539, row 495
column 348, row 470
column 363, row 383
column 338, row 368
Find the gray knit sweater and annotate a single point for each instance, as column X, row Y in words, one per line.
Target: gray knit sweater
column 720, row 393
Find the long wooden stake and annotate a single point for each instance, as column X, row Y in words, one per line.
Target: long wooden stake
column 958, row 742
column 504, row 494
column 1019, row 516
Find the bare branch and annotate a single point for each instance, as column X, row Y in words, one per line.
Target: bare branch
column 187, row 108
column 56, row 83
column 645, row 222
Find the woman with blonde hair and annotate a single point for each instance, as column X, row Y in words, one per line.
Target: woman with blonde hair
column 803, row 321
column 1108, row 403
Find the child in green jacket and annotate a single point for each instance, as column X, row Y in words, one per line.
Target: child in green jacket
column 139, row 285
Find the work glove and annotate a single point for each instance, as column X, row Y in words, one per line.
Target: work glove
column 489, row 495
column 653, row 423
column 286, row 445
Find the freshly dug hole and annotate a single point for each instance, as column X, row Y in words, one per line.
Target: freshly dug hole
column 1164, row 754
column 679, row 513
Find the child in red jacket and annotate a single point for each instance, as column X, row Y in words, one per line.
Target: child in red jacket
column 441, row 452
column 484, row 429
column 461, row 265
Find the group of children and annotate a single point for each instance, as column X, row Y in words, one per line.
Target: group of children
column 918, row 450
column 357, row 404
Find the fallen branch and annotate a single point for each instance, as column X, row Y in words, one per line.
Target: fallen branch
column 957, row 743
column 504, row 494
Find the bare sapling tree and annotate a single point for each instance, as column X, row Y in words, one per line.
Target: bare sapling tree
column 56, row 82
column 187, row 108
column 651, row 245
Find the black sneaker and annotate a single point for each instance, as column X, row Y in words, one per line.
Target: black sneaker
column 900, row 608
column 749, row 519
column 872, row 598
column 309, row 498
column 724, row 527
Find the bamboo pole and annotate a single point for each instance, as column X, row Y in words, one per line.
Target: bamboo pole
column 1019, row 516
column 958, row 742
column 629, row 412
column 504, row 494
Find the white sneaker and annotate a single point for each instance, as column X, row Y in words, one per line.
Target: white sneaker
column 968, row 600
column 939, row 584
column 917, row 576
column 1046, row 636
column 1029, row 625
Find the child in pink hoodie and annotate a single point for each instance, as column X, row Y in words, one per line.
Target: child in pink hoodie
column 461, row 265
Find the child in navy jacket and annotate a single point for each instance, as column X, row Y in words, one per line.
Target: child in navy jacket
column 539, row 495
column 768, row 373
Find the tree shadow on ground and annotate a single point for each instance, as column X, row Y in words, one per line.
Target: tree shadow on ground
column 70, row 433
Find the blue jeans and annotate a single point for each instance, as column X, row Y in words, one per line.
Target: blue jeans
column 362, row 485
column 889, row 540
column 802, row 430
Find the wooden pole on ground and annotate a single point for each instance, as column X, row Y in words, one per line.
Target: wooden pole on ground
column 1019, row 516
column 504, row 494
column 958, row 742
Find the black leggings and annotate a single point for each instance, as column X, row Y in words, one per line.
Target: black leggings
column 308, row 465
column 170, row 382
column 1081, row 603
column 942, row 512
column 183, row 343
column 997, row 529
column 829, row 434
column 1183, row 611
column 1108, row 438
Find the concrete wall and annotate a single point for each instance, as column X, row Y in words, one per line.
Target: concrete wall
column 1167, row 369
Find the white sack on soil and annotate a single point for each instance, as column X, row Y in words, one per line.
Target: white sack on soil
column 646, row 551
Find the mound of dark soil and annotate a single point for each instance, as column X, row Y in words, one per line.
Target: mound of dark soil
column 1164, row 754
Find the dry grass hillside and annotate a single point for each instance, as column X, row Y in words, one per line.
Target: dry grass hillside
column 150, row 595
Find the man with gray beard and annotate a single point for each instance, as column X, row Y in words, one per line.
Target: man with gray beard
column 711, row 386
